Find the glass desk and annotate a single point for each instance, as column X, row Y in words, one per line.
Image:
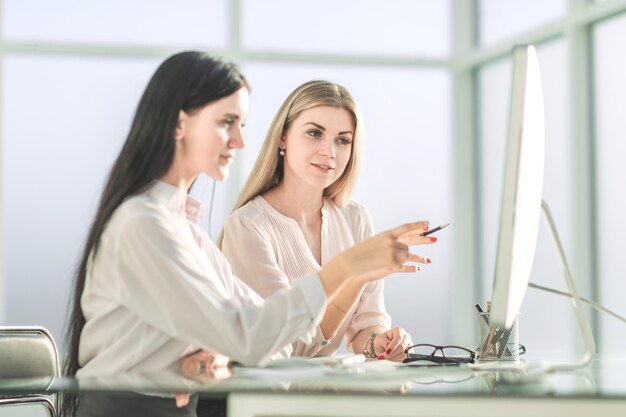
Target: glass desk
column 378, row 389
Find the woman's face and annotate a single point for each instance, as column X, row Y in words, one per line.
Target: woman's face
column 206, row 139
column 318, row 146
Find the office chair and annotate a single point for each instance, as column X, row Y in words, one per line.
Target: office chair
column 29, row 365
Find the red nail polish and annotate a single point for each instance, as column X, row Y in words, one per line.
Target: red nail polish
column 433, row 239
column 388, row 351
column 428, row 260
column 381, row 357
column 419, row 268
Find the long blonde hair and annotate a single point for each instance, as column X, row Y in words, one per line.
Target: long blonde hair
column 269, row 167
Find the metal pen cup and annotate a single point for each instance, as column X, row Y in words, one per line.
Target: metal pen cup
column 497, row 344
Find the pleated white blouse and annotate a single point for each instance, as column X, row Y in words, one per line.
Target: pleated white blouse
column 268, row 251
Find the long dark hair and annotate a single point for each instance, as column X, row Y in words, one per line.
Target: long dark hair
column 186, row 81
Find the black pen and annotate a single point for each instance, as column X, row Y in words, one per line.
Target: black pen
column 480, row 310
column 436, row 229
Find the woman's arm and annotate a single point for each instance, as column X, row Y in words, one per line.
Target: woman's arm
column 151, row 266
column 338, row 308
column 371, row 314
column 168, row 285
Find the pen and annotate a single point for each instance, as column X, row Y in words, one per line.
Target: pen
column 436, row 229
column 480, row 310
column 489, row 343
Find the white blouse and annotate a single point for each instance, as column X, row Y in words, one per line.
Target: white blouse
column 158, row 288
column 269, row 252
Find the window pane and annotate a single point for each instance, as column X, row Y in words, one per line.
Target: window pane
column 501, row 19
column 538, row 328
column 406, row 173
column 401, row 27
column 140, row 22
column 609, row 70
column 65, row 119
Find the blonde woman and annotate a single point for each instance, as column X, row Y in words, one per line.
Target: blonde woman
column 294, row 215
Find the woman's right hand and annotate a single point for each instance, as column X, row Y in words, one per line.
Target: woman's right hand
column 376, row 257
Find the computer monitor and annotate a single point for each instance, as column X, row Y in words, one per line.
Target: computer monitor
column 521, row 209
column 522, row 189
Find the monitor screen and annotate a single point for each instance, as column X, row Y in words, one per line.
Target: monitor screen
column 522, row 189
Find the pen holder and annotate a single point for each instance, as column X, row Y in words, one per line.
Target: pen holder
column 497, row 344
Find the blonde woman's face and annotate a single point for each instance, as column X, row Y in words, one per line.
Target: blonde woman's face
column 317, row 146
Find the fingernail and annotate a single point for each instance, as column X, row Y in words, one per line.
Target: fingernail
column 428, row 260
column 419, row 268
column 433, row 239
column 425, row 227
column 381, row 357
column 388, row 351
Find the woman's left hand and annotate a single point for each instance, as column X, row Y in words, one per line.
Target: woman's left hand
column 392, row 344
column 202, row 365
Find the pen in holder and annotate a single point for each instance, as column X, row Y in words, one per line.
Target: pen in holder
column 497, row 344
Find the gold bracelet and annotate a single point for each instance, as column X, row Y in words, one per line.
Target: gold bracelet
column 338, row 308
column 368, row 346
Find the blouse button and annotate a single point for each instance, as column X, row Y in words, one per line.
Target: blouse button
column 324, row 343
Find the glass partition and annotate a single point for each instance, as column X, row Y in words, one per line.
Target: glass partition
column 610, row 90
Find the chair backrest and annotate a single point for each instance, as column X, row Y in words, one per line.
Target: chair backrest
column 29, row 363
column 12, row 402
column 28, row 352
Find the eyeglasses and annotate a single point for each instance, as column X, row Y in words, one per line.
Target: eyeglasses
column 453, row 355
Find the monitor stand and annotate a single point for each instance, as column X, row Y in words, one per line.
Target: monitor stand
column 583, row 324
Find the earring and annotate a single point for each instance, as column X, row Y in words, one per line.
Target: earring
column 282, row 152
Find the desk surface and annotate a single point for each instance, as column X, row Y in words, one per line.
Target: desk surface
column 360, row 389
column 603, row 378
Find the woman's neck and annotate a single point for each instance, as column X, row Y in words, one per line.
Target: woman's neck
column 302, row 204
column 179, row 181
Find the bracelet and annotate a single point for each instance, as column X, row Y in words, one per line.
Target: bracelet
column 368, row 347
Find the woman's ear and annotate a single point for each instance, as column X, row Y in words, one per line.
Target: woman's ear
column 179, row 132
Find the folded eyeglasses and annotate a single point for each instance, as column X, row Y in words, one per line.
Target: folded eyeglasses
column 452, row 355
